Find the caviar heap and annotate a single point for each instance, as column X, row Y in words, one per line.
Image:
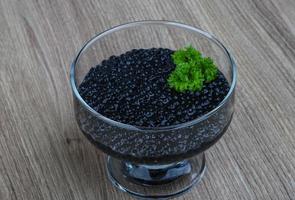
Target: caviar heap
column 154, row 87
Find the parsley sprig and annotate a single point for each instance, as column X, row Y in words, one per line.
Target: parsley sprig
column 192, row 70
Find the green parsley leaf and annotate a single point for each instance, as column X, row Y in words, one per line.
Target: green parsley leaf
column 191, row 70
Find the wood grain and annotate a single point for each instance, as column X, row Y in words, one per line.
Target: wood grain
column 43, row 155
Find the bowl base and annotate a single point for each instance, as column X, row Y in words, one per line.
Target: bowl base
column 156, row 181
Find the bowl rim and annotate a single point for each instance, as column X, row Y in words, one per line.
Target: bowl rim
column 152, row 22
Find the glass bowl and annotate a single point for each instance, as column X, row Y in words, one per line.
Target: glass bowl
column 153, row 162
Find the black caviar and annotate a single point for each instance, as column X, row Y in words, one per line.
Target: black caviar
column 132, row 88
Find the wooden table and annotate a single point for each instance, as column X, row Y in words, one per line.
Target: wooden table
column 43, row 155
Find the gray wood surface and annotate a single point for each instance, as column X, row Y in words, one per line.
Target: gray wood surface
column 43, row 155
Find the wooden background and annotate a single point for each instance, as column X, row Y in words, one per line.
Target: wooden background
column 43, row 155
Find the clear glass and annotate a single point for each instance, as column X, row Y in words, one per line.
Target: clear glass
column 157, row 162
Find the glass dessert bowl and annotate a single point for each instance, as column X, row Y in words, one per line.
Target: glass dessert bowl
column 148, row 161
